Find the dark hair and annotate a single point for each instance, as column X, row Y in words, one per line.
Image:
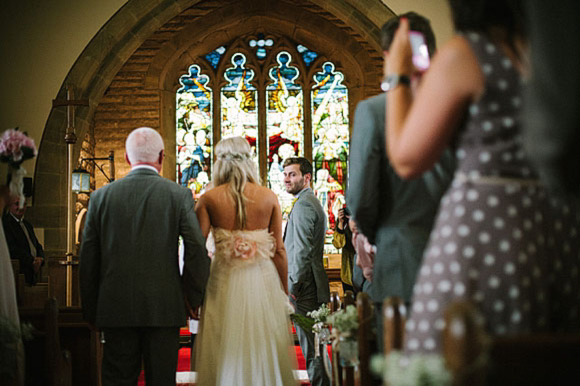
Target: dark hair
column 416, row 23
column 305, row 165
column 480, row 15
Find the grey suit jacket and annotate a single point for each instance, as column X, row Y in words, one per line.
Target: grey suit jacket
column 129, row 267
column 304, row 242
column 395, row 215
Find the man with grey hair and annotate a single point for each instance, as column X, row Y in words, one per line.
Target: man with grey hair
column 131, row 286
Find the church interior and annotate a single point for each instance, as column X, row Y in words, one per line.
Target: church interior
column 78, row 77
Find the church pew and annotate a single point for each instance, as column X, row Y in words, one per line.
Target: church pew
column 31, row 296
column 366, row 339
column 58, row 360
column 394, row 315
column 475, row 358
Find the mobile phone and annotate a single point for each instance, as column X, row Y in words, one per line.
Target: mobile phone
column 420, row 50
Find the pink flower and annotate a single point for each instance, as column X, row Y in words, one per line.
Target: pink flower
column 244, row 249
column 16, row 146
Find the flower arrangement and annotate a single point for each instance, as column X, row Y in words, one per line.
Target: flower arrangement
column 320, row 317
column 397, row 369
column 345, row 322
column 15, row 148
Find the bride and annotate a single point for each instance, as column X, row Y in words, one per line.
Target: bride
column 244, row 334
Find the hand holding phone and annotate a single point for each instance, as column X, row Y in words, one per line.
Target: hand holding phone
column 420, row 50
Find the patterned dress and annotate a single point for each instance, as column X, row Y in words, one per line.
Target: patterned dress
column 499, row 239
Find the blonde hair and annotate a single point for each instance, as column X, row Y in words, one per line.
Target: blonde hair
column 235, row 167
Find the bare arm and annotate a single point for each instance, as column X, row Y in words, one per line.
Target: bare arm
column 419, row 128
column 280, row 260
column 203, row 215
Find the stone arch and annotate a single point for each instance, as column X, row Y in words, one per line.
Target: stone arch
column 164, row 30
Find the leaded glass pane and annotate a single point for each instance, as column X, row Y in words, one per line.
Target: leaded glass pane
column 285, row 124
column 215, row 56
column 239, row 107
column 194, row 130
column 330, row 139
column 307, row 55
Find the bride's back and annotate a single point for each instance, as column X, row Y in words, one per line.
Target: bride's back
column 222, row 208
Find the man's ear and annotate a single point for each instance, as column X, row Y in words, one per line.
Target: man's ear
column 161, row 156
column 127, row 158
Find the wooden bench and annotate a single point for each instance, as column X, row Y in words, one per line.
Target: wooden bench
column 475, row 358
column 31, row 296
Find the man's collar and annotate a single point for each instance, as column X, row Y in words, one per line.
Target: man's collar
column 16, row 218
column 144, row 166
column 297, row 195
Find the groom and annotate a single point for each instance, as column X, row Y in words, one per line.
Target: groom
column 130, row 281
column 304, row 242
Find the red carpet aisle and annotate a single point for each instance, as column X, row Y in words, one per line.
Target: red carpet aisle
column 185, row 354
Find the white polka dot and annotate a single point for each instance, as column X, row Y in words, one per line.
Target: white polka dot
column 468, row 252
column 459, row 211
column 506, row 156
column 522, row 257
column 484, row 157
column 425, row 270
column 428, row 288
column 463, row 230
column 432, row 305
column 498, row 223
column 417, row 290
column 532, row 249
column 454, row 267
column 478, row 216
column 528, row 224
column 479, row 296
column 487, row 68
column 472, row 195
column 514, row 292
column 493, row 106
column 490, row 48
column 418, row 307
column 413, row 344
column 509, row 268
column 493, row 282
column 504, row 245
column 487, row 126
column 473, row 273
column 440, row 324
column 498, row 306
column 526, row 281
column 502, row 84
column 438, row 268
column 423, row 326
column 512, row 211
column 489, row 259
column 473, row 110
column 436, row 251
column 516, row 101
column 500, row 330
column 457, row 195
column 410, row 326
column 429, row 344
column 446, row 231
column 450, row 248
column 506, row 63
column 508, row 122
column 484, row 237
column 517, row 234
column 459, row 289
column 444, row 286
column 460, row 153
column 537, row 272
column 526, row 201
column 492, row 201
column 516, row 317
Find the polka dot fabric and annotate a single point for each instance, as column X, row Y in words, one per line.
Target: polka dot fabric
column 499, row 240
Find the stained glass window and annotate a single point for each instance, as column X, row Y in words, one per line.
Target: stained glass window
column 330, row 139
column 215, row 56
column 259, row 44
column 307, row 55
column 285, row 124
column 239, row 105
column 194, row 130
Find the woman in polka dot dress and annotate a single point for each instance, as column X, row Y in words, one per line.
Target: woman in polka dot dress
column 499, row 240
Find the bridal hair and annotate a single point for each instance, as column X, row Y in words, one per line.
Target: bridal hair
column 143, row 145
column 235, row 167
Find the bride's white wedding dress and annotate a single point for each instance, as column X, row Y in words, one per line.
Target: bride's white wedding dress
column 244, row 334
